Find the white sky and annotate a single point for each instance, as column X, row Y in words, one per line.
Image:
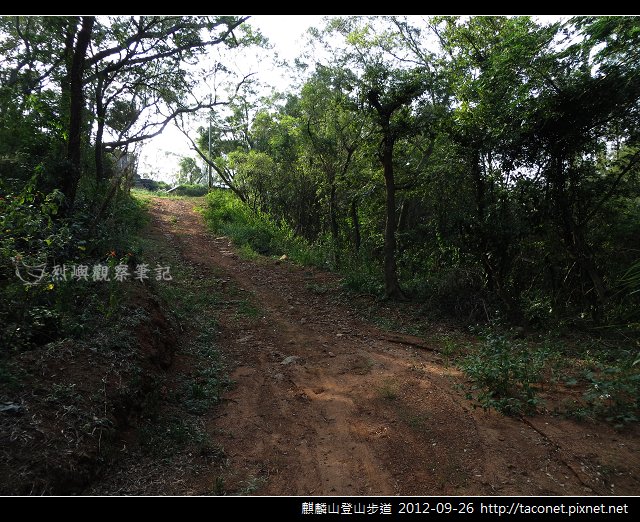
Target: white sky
column 160, row 156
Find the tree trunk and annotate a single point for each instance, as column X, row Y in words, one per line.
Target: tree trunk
column 391, row 284
column 356, row 224
column 479, row 182
column 100, row 117
column 576, row 243
column 76, row 105
column 333, row 216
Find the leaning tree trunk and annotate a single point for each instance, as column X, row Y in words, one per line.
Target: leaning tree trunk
column 101, row 111
column 76, row 106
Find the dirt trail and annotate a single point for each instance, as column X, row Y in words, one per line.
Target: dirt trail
column 326, row 403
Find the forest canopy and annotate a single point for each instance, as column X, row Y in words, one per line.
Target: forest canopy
column 487, row 166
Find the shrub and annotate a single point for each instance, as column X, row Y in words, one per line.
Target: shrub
column 32, row 233
column 191, row 190
column 504, row 374
column 613, row 390
column 226, row 214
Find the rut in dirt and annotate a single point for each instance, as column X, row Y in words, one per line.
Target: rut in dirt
column 327, row 403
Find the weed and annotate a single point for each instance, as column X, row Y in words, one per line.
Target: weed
column 505, row 374
column 191, row 190
column 246, row 252
column 389, row 390
column 317, row 289
column 218, row 486
column 255, row 233
column 363, row 366
column 247, row 309
column 252, row 485
column 171, row 434
column 449, row 348
column 10, row 375
column 204, row 390
column 417, row 421
column 62, row 394
column 613, row 391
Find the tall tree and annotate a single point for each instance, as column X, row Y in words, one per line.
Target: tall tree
column 76, row 106
column 393, row 87
column 139, row 72
column 391, row 101
column 334, row 128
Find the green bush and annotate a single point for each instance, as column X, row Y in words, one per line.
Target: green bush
column 504, row 374
column 362, row 276
column 33, row 232
column 613, row 390
column 189, row 190
column 227, row 215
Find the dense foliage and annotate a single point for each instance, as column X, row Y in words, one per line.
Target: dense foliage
column 485, row 166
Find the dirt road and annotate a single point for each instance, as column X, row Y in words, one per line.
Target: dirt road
column 327, row 403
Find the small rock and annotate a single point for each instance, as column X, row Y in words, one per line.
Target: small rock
column 11, row 408
column 289, row 360
column 331, row 354
column 339, row 335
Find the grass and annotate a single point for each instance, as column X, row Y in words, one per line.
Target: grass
column 389, row 390
column 247, row 253
column 218, row 486
column 168, row 435
column 194, row 302
column 417, row 421
column 252, row 485
column 363, row 365
column 247, row 309
column 62, row 393
column 146, row 195
column 256, row 234
column 318, row 289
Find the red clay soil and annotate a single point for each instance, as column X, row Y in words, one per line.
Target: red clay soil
column 327, row 403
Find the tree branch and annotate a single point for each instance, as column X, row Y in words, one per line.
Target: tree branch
column 225, row 176
column 635, row 159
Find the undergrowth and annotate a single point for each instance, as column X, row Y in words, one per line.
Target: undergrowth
column 511, row 375
column 256, row 233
